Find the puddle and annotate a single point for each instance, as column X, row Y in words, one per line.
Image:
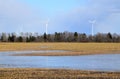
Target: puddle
column 107, row 62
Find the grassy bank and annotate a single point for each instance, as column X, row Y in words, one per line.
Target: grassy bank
column 55, row 74
column 75, row 48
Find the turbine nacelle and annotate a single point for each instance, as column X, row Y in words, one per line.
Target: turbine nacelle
column 92, row 21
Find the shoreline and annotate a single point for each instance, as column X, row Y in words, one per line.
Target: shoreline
column 62, row 54
column 70, row 53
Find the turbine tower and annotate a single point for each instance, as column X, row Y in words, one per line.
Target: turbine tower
column 92, row 22
column 46, row 24
column 20, row 29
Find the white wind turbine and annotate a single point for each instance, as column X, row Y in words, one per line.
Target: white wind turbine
column 19, row 29
column 92, row 22
column 46, row 26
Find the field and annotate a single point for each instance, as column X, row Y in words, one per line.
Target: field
column 74, row 48
column 55, row 74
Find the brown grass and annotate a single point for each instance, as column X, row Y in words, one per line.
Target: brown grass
column 55, row 74
column 75, row 48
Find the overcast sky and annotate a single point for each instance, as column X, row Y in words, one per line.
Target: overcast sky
column 64, row 15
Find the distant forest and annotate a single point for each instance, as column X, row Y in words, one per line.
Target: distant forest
column 59, row 37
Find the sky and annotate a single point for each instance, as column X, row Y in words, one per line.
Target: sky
column 64, row 15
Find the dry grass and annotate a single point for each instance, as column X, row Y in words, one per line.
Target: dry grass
column 55, row 74
column 76, row 48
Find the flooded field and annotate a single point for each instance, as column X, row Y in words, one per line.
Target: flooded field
column 106, row 62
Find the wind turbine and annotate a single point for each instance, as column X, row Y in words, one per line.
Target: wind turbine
column 19, row 29
column 92, row 22
column 46, row 25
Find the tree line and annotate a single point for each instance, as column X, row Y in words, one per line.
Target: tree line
column 59, row 37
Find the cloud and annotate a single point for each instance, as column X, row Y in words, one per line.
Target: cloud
column 105, row 12
column 16, row 16
column 110, row 14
